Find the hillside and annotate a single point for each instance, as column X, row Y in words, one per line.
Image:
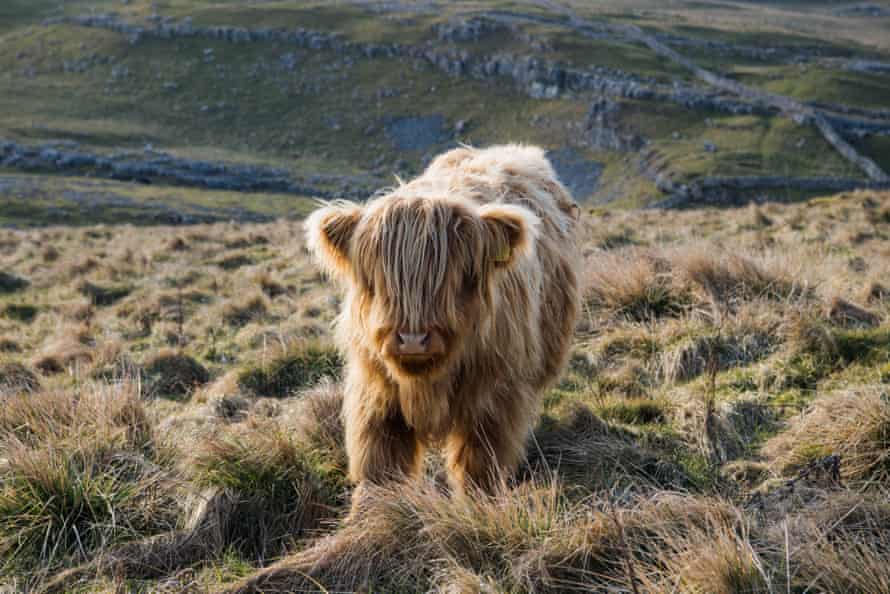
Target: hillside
column 170, row 417
column 639, row 103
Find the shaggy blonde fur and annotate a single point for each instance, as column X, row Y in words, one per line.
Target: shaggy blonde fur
column 481, row 248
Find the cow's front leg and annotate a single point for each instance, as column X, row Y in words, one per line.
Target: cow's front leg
column 380, row 445
column 484, row 454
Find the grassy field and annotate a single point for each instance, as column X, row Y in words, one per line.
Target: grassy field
column 37, row 201
column 170, row 417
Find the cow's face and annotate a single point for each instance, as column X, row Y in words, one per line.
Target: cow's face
column 421, row 272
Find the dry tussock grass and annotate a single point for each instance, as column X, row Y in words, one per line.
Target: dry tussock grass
column 854, row 424
column 79, row 474
column 643, row 285
column 241, row 311
column 173, row 373
column 841, row 312
column 530, row 539
column 586, row 451
column 15, row 378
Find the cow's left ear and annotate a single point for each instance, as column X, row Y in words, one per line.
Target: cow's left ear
column 512, row 231
column 329, row 232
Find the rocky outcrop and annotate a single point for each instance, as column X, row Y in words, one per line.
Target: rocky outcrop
column 606, row 132
column 759, row 53
column 826, row 55
column 726, row 191
column 786, row 105
column 537, row 77
column 156, row 167
column 863, row 9
column 459, row 30
column 868, row 66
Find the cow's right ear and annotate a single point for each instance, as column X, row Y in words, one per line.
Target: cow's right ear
column 329, row 232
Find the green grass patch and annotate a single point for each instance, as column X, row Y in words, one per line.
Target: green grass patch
column 300, row 367
column 103, row 295
column 174, row 374
column 33, row 200
column 868, row 346
column 80, row 473
column 632, row 411
column 750, row 146
column 61, row 499
column 20, row 312
column 826, row 85
column 275, row 472
column 10, row 283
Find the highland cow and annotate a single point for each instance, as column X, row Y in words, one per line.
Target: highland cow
column 461, row 300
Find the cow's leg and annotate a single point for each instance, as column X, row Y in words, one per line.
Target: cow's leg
column 485, row 453
column 380, row 449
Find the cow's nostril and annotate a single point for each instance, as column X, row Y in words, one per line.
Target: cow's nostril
column 410, row 343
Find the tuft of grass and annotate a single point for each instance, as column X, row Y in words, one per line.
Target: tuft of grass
column 234, row 261
column 319, row 422
column 414, row 538
column 171, row 373
column 245, row 240
column 270, row 286
column 10, row 283
column 849, row 315
column 100, row 295
column 57, row 502
column 724, row 431
column 587, row 452
column 728, row 278
column 854, row 424
column 282, row 487
column 300, row 366
column 21, row 312
column 692, row 356
column 870, row 346
column 80, row 473
column 16, row 378
column 633, row 286
column 642, row 285
column 840, row 542
column 713, row 554
column 9, row 345
column 240, row 312
column 632, row 411
column 816, row 350
column 71, row 350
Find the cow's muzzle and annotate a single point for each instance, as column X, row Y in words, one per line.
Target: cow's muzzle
column 415, row 352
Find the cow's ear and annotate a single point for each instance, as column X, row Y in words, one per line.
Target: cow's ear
column 329, row 232
column 512, row 231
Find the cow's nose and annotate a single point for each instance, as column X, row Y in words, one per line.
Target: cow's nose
column 413, row 343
